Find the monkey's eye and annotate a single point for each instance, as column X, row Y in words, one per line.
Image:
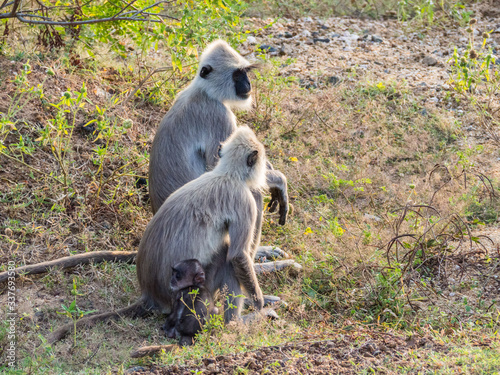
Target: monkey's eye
column 252, row 158
column 205, row 71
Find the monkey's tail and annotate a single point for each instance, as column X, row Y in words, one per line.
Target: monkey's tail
column 70, row 261
column 135, row 310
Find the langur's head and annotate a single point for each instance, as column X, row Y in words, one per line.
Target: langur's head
column 222, row 74
column 187, row 273
column 244, row 157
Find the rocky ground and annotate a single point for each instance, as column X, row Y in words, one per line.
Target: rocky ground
column 329, row 50
column 345, row 353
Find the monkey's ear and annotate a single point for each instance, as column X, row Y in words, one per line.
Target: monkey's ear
column 252, row 158
column 199, row 278
column 252, row 67
column 205, row 71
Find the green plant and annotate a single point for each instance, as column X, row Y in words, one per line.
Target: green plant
column 73, row 311
column 475, row 68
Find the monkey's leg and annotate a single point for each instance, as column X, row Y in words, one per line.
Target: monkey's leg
column 267, row 253
column 268, row 300
column 224, row 279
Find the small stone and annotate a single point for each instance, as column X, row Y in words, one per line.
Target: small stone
column 135, row 369
column 306, row 33
column 288, row 35
column 252, row 40
column 429, row 61
column 333, row 80
column 267, row 48
column 376, row 39
column 8, row 232
column 423, row 112
column 434, row 100
column 371, row 217
column 321, row 40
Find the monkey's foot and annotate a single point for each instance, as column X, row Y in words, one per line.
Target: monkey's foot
column 277, row 265
column 269, row 253
column 268, row 301
column 258, row 315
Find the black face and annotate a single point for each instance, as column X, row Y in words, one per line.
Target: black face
column 187, row 273
column 242, row 83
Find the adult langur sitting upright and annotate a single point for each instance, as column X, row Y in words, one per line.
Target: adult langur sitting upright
column 211, row 219
column 187, row 142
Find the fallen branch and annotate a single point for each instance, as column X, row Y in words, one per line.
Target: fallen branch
column 151, row 350
column 71, row 261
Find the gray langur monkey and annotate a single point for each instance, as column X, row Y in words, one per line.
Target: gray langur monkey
column 212, row 219
column 187, row 141
column 193, row 303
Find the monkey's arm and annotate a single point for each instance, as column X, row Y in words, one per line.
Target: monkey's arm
column 240, row 235
column 279, row 192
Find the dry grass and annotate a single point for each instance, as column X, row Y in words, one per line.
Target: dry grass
column 355, row 154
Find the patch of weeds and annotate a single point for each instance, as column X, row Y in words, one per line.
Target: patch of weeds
column 483, row 212
column 426, row 13
column 270, row 90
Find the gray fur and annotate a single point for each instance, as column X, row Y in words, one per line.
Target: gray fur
column 187, row 141
column 212, row 219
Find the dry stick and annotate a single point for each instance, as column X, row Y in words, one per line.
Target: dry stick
column 30, row 167
column 141, row 83
column 151, row 350
column 71, row 261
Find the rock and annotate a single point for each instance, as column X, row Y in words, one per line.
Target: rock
column 333, row 80
column 371, row 217
column 251, row 40
column 423, row 112
column 429, row 61
column 306, row 33
column 433, row 99
column 131, row 370
column 335, row 35
column 266, row 48
column 372, row 38
column 288, row 35
column 322, row 40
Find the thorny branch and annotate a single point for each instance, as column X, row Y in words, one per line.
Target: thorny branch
column 28, row 16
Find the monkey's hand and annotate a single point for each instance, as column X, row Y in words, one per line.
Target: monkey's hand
column 258, row 300
column 279, row 194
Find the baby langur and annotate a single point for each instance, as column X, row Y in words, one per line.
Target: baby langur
column 212, row 219
column 193, row 303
